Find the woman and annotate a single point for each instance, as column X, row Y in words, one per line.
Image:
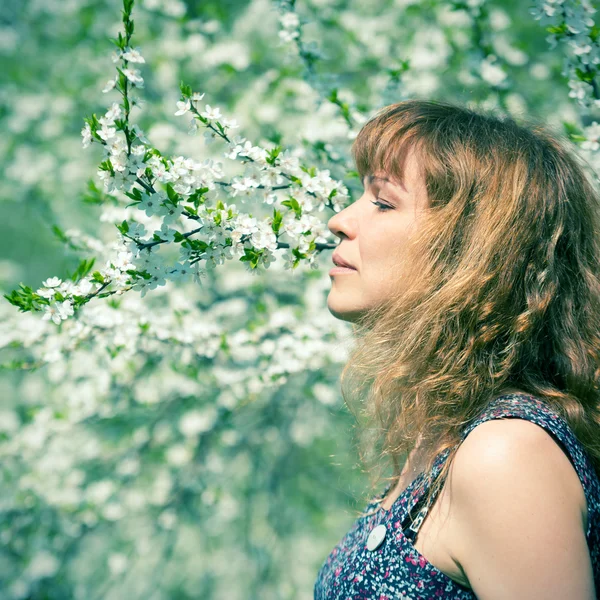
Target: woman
column 474, row 295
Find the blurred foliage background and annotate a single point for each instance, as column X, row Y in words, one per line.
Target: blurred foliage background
column 147, row 461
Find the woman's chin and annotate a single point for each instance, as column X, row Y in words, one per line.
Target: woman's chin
column 343, row 314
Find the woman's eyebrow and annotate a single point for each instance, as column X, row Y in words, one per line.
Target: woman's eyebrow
column 371, row 178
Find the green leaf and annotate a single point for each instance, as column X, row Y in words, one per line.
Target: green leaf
column 186, row 90
column 95, row 195
column 333, row 95
column 84, row 267
column 172, row 194
column 97, row 276
column 557, row 29
column 58, row 232
column 192, row 210
column 25, row 300
column 223, row 344
column 312, row 171
column 587, row 76
column 273, row 154
column 293, row 204
column 123, row 227
column 197, row 198
column 277, row 220
column 571, row 128
column 134, row 194
column 106, row 166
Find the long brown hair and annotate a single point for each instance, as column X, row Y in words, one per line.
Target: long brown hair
column 498, row 288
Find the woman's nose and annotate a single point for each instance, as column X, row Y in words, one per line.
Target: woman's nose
column 336, row 223
column 343, row 223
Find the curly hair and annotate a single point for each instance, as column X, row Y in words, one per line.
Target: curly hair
column 498, row 287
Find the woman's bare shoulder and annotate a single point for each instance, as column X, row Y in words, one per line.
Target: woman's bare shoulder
column 516, row 498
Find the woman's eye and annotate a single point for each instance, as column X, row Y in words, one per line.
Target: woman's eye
column 381, row 207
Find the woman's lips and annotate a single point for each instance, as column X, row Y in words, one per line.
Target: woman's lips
column 341, row 270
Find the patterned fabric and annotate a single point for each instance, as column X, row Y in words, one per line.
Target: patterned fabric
column 394, row 569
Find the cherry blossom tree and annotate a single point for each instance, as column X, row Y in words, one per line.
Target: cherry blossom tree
column 172, row 386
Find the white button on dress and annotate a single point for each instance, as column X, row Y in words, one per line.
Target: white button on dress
column 376, row 537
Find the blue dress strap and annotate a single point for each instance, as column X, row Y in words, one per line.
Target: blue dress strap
column 516, row 405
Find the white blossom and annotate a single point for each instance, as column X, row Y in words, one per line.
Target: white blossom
column 133, row 55
column 45, row 293
column 193, row 129
column 86, row 134
column 117, row 563
column 197, row 421
column 211, row 113
column 42, row 564
column 229, row 123
column 151, row 204
column 287, row 35
column 134, row 76
column 592, row 133
column 52, row 282
column 289, row 20
column 83, row 288
column 178, row 455
column 183, row 107
column 115, row 112
column 166, row 233
column 106, row 132
column 110, row 84
column 492, row 73
column 122, row 262
column 196, row 97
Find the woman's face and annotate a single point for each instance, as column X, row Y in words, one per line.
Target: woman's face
column 372, row 239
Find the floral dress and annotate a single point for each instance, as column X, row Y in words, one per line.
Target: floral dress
column 377, row 560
